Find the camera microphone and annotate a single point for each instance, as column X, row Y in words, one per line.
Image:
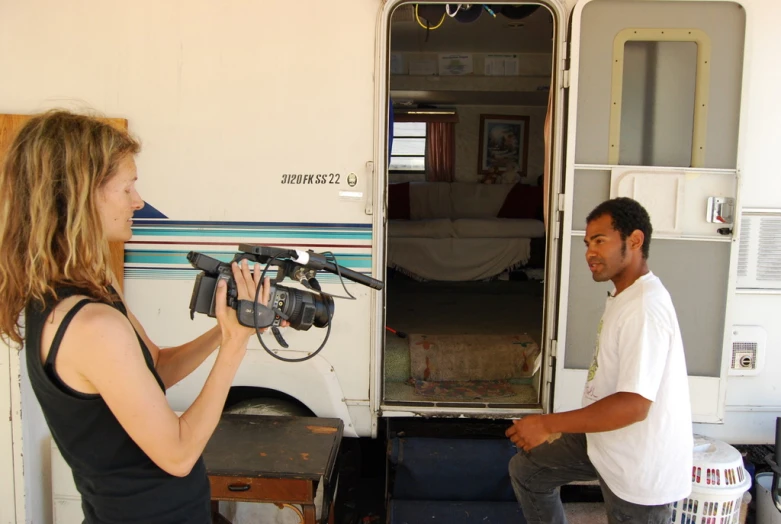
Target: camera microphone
column 310, row 260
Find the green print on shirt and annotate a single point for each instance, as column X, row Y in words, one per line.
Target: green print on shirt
column 592, row 370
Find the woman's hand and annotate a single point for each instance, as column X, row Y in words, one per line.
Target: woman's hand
column 246, row 284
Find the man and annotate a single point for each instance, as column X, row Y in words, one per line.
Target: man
column 634, row 431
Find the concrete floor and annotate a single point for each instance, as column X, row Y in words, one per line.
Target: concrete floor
column 585, row 513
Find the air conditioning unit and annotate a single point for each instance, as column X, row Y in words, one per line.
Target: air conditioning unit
column 759, row 258
column 748, row 350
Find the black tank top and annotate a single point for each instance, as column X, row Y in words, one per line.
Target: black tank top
column 118, row 482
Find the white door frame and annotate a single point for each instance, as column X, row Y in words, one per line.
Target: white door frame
column 552, row 273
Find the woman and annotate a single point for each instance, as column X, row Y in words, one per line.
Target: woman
column 68, row 189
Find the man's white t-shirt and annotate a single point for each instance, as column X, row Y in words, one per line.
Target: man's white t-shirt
column 639, row 350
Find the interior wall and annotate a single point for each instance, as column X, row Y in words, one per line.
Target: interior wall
column 468, row 139
column 522, row 92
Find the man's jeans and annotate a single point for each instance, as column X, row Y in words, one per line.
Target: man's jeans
column 538, row 474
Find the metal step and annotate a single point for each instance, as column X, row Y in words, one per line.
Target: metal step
column 432, row 469
column 465, row 480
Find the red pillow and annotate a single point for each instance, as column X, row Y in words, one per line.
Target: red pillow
column 522, row 202
column 398, row 201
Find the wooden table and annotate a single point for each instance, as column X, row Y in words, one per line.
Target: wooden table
column 281, row 460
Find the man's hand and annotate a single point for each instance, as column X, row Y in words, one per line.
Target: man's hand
column 529, row 432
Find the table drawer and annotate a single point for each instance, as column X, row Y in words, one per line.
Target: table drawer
column 261, row 489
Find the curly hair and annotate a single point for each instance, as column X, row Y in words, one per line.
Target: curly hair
column 50, row 229
column 627, row 216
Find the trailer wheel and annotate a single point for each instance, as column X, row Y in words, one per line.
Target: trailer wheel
column 270, row 406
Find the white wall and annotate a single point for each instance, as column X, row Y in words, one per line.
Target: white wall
column 761, row 112
column 218, row 92
column 760, row 136
column 468, row 139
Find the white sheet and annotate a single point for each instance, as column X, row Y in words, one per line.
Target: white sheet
column 498, row 228
column 457, row 259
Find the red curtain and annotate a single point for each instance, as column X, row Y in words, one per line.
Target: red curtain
column 440, row 151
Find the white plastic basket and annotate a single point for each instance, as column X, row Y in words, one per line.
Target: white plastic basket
column 719, row 481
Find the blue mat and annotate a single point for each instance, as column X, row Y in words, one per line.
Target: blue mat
column 431, row 469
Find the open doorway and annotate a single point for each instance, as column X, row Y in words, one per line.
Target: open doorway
column 466, row 239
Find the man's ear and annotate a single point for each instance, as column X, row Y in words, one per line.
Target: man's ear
column 636, row 239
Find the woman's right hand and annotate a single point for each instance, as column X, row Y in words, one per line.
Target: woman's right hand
column 246, row 284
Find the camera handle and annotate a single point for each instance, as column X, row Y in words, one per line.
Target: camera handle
column 263, row 315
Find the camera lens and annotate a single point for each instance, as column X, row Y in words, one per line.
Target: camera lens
column 324, row 309
column 305, row 309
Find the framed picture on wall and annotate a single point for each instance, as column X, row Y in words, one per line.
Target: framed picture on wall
column 504, row 145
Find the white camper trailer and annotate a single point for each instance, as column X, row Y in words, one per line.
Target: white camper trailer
column 269, row 123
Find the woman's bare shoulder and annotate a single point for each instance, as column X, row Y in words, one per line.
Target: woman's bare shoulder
column 97, row 330
column 98, row 340
column 98, row 318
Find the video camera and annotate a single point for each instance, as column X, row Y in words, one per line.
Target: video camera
column 300, row 308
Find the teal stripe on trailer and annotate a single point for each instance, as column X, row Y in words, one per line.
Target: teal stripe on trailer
column 189, row 274
column 232, row 233
column 168, row 223
column 350, row 260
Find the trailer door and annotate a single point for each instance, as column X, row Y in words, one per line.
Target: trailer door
column 653, row 106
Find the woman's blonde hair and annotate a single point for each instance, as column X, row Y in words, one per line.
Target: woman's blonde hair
column 50, row 229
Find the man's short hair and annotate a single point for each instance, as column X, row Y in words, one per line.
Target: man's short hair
column 627, row 215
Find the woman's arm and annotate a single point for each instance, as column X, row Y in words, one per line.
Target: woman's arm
column 104, row 350
column 175, row 363
column 111, row 360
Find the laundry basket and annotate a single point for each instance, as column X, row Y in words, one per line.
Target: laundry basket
column 718, row 483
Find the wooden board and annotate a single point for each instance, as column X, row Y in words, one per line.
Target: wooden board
column 273, row 447
column 10, row 126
